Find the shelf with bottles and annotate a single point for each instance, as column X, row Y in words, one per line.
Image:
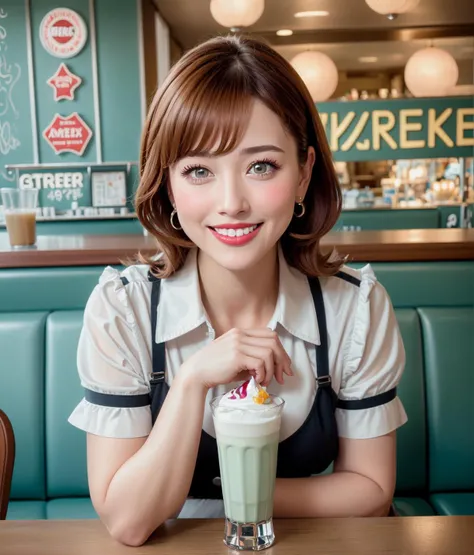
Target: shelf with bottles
column 50, row 213
column 406, row 183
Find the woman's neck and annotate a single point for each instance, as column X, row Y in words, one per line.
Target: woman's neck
column 244, row 299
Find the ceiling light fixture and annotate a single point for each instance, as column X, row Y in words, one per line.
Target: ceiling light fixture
column 284, row 33
column 318, row 72
column 368, row 59
column 431, row 72
column 392, row 8
column 320, row 13
column 237, row 14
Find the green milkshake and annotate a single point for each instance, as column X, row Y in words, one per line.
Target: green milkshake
column 247, row 423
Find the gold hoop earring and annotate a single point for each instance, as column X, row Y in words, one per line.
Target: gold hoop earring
column 300, row 203
column 173, row 214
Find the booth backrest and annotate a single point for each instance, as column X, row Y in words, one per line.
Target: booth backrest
column 39, row 385
column 448, row 350
column 64, row 443
column 411, row 438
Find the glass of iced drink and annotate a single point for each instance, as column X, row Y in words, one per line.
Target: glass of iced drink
column 247, row 423
column 19, row 208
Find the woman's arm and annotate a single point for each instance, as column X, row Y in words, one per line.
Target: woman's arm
column 362, row 484
column 136, row 484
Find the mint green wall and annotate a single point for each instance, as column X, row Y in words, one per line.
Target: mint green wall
column 119, row 78
column 119, row 85
column 15, row 115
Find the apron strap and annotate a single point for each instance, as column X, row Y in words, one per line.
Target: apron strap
column 322, row 354
column 157, row 349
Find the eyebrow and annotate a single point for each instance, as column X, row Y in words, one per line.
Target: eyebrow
column 261, row 148
column 248, row 150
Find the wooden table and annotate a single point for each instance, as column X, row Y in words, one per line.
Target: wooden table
column 360, row 246
column 438, row 535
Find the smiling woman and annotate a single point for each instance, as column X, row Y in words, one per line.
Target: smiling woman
column 236, row 91
column 237, row 186
column 242, row 195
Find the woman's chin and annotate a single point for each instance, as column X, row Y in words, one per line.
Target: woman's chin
column 236, row 259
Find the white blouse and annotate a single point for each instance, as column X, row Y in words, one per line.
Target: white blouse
column 366, row 353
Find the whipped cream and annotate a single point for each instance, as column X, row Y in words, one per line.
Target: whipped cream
column 249, row 395
column 248, row 411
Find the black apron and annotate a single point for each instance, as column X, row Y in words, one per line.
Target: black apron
column 309, row 450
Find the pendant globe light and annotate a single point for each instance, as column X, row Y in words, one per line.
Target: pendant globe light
column 236, row 14
column 391, row 8
column 431, row 72
column 318, row 72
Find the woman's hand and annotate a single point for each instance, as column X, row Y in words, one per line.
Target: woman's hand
column 237, row 355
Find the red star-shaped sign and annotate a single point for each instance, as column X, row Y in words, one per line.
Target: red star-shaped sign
column 64, row 83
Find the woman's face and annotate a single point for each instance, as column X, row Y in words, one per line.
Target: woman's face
column 235, row 207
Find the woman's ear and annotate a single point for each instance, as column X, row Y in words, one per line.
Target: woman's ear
column 306, row 172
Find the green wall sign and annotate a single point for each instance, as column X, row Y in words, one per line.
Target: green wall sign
column 399, row 129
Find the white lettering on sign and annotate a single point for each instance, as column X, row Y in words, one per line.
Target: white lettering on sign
column 62, row 32
column 66, row 180
column 58, row 195
column 65, row 133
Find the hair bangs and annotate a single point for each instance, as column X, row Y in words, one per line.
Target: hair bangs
column 211, row 120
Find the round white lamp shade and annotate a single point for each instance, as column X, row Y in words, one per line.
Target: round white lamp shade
column 391, row 7
column 318, row 72
column 431, row 72
column 237, row 13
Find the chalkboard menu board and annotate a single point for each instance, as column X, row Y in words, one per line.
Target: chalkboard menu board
column 16, row 143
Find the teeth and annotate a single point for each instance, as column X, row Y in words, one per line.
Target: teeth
column 236, row 232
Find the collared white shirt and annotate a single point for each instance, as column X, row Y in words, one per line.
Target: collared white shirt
column 366, row 354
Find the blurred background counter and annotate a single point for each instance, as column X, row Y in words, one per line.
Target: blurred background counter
column 412, row 245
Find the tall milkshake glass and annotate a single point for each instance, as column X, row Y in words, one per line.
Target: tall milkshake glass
column 247, row 423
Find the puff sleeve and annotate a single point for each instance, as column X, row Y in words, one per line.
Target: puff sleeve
column 111, row 357
column 374, row 363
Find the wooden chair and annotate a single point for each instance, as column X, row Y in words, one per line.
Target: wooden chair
column 7, row 458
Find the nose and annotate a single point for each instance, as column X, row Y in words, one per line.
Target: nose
column 233, row 199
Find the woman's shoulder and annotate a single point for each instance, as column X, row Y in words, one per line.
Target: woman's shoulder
column 355, row 293
column 137, row 273
column 350, row 283
column 120, row 290
column 134, row 273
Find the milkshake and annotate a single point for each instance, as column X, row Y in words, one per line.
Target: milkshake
column 247, row 423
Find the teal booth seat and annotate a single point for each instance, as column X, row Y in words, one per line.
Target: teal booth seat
column 41, row 313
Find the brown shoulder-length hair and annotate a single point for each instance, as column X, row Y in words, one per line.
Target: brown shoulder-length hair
column 204, row 105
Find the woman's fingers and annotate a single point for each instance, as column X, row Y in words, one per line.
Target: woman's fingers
column 254, row 366
column 267, row 358
column 282, row 360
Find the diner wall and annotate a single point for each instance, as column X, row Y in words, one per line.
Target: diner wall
column 112, row 106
